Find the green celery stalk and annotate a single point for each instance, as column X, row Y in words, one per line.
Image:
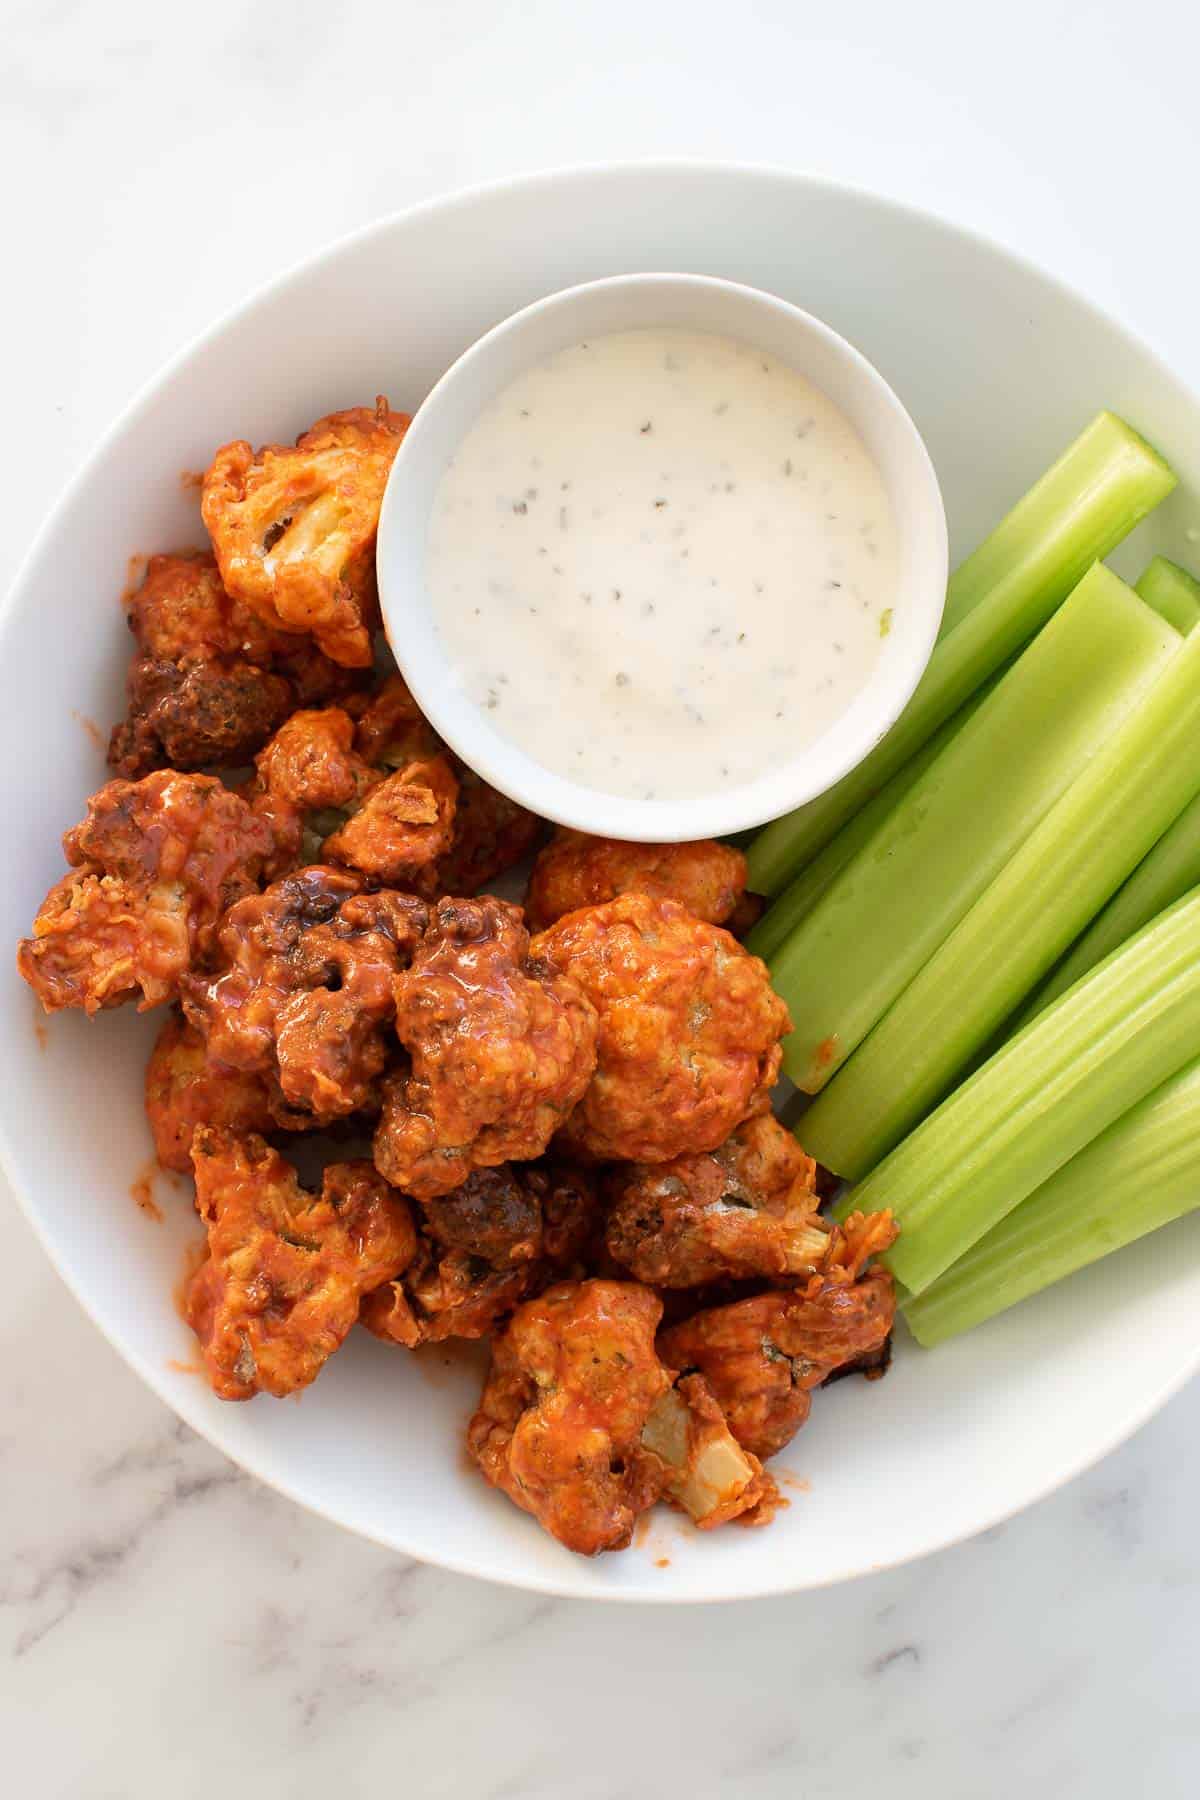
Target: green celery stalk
column 1102, row 484
column 1078, row 512
column 1170, row 870
column 1061, row 876
column 1138, row 1174
column 798, row 900
column 1172, row 592
column 903, row 893
column 1049, row 1091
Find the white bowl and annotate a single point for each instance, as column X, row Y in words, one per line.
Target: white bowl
column 954, row 1439
column 689, row 303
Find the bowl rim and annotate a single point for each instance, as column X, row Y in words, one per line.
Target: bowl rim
column 913, row 490
column 1154, row 1395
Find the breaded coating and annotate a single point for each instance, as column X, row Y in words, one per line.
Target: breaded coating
column 709, row 1475
column 743, row 1210
column 209, row 682
column 307, row 989
column 185, row 1090
column 390, row 826
column 573, row 1381
column 500, row 1044
column 762, row 1357
column 491, row 832
column 294, row 529
column 575, row 870
column 689, row 1029
column 154, row 865
column 502, row 1236
column 286, row 1270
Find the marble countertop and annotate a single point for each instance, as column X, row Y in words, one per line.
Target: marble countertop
column 165, row 1623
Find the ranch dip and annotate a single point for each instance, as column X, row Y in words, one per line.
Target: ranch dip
column 662, row 562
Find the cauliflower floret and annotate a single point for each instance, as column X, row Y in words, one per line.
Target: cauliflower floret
column 575, row 870
column 307, row 990
column 391, row 826
column 294, row 529
column 286, row 1270
column 505, row 1234
column 746, row 1209
column 209, row 682
column 762, row 1357
column 573, row 1381
column 186, row 1089
column 501, row 1046
column 155, row 864
column 689, row 1029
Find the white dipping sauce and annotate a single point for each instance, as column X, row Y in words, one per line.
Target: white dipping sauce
column 663, row 562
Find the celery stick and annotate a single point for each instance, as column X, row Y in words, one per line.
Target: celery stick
column 1172, row 592
column 1092, row 497
column 1102, row 484
column 798, row 900
column 1054, row 885
column 1137, row 1175
column 1171, row 870
column 927, row 864
column 1045, row 1094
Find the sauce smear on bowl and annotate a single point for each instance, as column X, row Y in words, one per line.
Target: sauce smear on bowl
column 662, row 561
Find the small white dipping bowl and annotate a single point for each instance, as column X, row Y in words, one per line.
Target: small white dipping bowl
column 692, row 303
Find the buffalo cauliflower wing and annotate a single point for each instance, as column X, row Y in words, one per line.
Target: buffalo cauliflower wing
column 154, row 865
column 574, row 1379
column 209, row 682
column 186, row 1089
column 404, row 825
column 286, row 1270
column 505, row 1234
column 575, row 870
column 689, row 1029
column 743, row 1210
column 389, row 825
column 307, row 989
column 293, row 529
column 500, row 1046
column 762, row 1357
column 445, row 1294
column 490, row 832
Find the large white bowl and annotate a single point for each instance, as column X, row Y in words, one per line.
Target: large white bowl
column 999, row 366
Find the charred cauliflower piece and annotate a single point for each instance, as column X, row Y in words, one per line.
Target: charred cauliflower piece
column 505, row 1234
column 209, row 682
column 306, row 990
column 743, row 1210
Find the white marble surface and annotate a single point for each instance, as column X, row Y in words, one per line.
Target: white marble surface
column 165, row 1624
